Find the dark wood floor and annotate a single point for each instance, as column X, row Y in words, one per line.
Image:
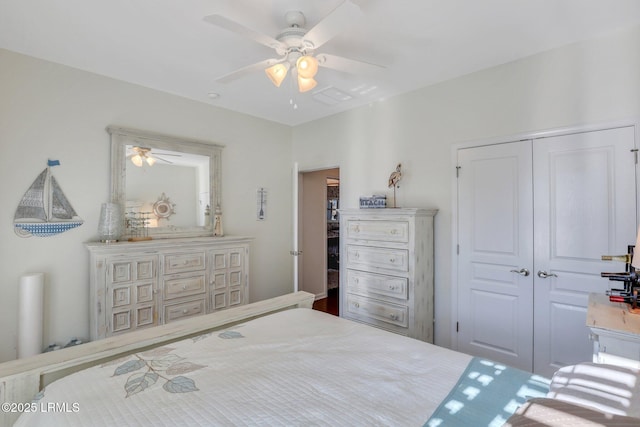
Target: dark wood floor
column 329, row 304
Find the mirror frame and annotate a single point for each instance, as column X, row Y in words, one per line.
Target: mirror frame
column 121, row 137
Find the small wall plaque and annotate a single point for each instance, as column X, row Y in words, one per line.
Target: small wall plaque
column 373, row 202
column 261, row 198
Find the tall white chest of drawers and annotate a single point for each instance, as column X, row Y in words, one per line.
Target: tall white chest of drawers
column 386, row 269
column 134, row 285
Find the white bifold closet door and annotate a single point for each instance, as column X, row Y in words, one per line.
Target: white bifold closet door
column 535, row 217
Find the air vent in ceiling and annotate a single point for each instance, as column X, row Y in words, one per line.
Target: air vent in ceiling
column 331, row 96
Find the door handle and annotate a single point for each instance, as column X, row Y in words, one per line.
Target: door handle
column 543, row 274
column 523, row 272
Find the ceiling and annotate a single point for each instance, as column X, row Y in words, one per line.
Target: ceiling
column 168, row 46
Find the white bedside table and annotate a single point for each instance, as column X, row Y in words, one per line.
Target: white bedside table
column 615, row 332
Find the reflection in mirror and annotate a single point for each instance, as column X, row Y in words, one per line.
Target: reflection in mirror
column 175, row 188
column 173, row 181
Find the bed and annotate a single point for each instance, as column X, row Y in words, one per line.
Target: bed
column 270, row 363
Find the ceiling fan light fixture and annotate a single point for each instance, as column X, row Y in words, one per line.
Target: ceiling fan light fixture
column 137, row 160
column 277, row 73
column 306, row 84
column 141, row 156
column 307, row 66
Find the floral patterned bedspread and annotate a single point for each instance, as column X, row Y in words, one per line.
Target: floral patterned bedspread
column 297, row 367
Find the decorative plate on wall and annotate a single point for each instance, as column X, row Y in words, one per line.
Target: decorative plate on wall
column 163, row 208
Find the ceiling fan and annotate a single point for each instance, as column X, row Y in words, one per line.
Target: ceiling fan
column 140, row 155
column 296, row 47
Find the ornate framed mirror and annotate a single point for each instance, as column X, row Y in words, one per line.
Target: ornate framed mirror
column 171, row 181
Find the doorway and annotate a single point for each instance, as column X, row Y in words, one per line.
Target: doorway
column 319, row 233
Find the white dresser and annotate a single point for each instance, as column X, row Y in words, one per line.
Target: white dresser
column 386, row 269
column 615, row 332
column 135, row 285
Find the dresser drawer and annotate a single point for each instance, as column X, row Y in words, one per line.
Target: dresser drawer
column 179, row 263
column 182, row 286
column 386, row 231
column 183, row 310
column 372, row 258
column 371, row 284
column 377, row 312
column 617, row 350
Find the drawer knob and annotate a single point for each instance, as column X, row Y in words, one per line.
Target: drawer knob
column 357, row 255
column 356, row 280
column 392, row 260
column 356, row 229
column 356, row 305
column 185, row 311
column 394, row 317
column 394, row 231
column 184, row 287
column 392, row 287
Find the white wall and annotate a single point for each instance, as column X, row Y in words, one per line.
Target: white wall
column 51, row 111
column 586, row 83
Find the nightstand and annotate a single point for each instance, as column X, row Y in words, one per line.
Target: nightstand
column 615, row 332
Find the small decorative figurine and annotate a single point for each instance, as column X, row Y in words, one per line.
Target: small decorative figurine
column 217, row 224
column 394, row 179
column 138, row 225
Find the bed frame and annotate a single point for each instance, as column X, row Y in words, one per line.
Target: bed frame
column 22, row 379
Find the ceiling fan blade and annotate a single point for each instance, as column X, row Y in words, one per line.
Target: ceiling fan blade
column 249, row 69
column 238, row 28
column 162, row 153
column 334, row 23
column 347, row 65
column 163, row 160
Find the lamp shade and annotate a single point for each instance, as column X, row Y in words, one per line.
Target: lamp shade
column 307, row 66
column 277, row 73
column 635, row 261
column 111, row 223
column 137, row 160
column 306, row 84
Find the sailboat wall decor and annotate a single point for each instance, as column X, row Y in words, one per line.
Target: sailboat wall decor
column 44, row 210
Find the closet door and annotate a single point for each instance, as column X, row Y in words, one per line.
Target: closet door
column 495, row 261
column 584, row 207
column 535, row 217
